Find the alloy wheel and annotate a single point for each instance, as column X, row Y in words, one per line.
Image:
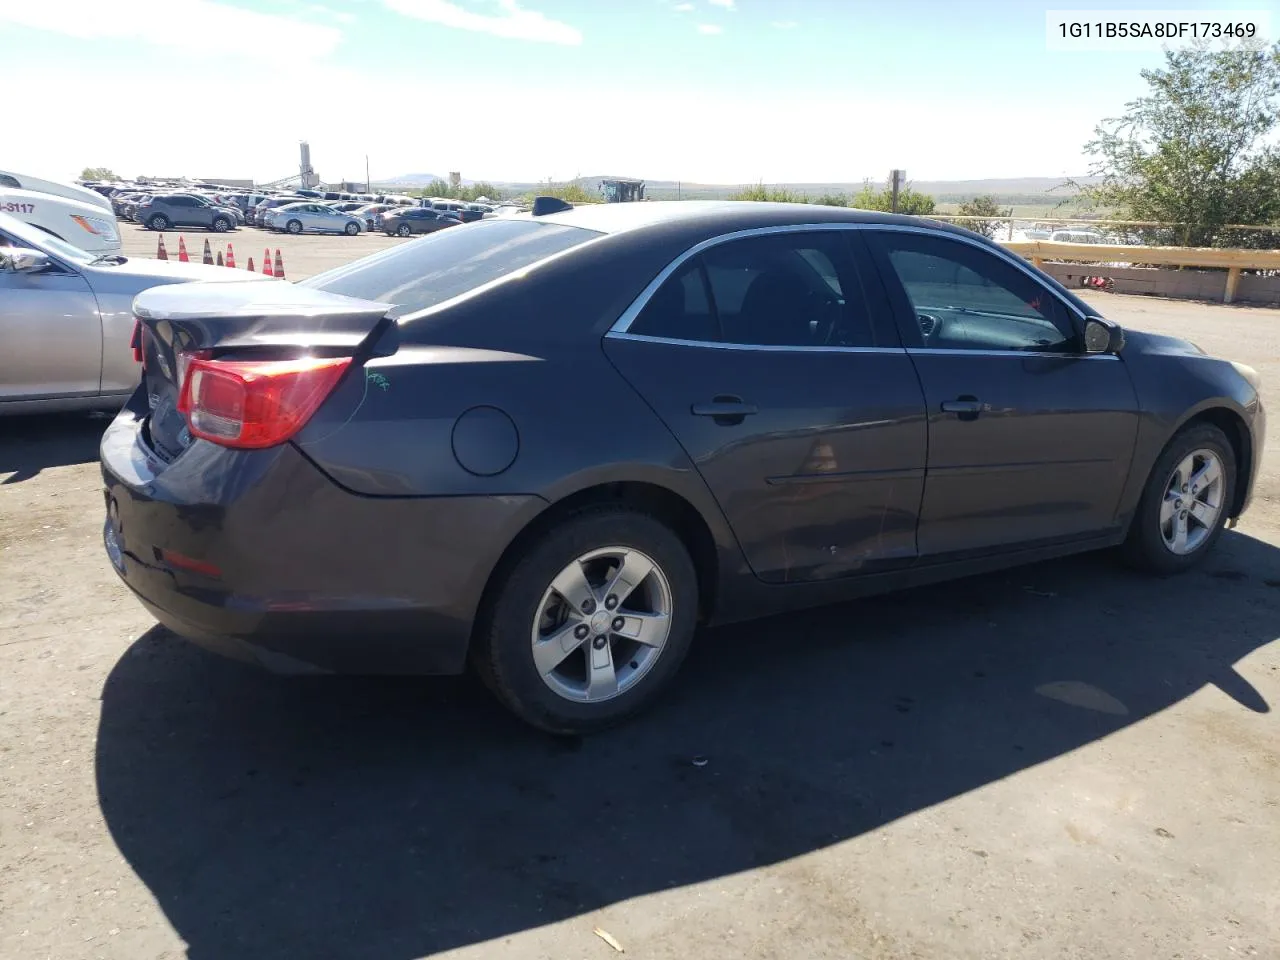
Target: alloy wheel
column 602, row 624
column 1192, row 503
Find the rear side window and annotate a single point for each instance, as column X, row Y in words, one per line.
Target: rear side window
column 783, row 290
column 448, row 263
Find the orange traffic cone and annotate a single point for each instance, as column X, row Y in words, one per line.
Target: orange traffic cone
column 231, row 257
column 208, row 257
column 266, row 263
column 161, row 252
column 182, row 251
column 219, row 258
column 279, row 265
column 250, row 267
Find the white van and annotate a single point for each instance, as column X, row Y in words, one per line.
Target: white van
column 70, row 191
column 84, row 225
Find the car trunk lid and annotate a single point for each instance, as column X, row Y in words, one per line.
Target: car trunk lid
column 263, row 320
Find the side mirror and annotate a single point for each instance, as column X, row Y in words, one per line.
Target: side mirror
column 1102, row 336
column 23, row 260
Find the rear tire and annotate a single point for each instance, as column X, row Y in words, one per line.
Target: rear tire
column 598, row 676
column 1185, row 503
column 158, row 222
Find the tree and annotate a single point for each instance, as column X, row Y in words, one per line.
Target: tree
column 97, row 173
column 761, row 192
column 1194, row 150
column 909, row 201
column 984, row 206
column 441, row 188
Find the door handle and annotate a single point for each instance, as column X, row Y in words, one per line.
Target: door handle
column 965, row 408
column 726, row 410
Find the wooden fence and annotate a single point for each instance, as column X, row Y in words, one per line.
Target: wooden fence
column 1232, row 260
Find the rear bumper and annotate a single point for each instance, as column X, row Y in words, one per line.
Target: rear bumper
column 260, row 556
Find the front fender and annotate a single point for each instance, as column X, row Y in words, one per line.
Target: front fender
column 1175, row 389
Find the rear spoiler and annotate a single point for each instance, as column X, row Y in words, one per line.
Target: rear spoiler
column 264, row 313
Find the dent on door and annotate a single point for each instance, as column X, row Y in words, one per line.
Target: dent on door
column 817, row 458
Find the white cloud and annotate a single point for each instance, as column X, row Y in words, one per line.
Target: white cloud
column 184, row 25
column 683, row 7
column 710, row 29
column 727, row 4
column 784, row 24
column 513, row 22
column 341, row 16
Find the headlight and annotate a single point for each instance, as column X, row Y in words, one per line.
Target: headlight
column 99, row 228
column 1251, row 376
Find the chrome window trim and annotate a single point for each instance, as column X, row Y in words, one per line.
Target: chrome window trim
column 1018, row 354
column 628, row 316
column 766, row 348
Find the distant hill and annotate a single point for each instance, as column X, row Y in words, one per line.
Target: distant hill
column 1009, row 190
column 414, row 180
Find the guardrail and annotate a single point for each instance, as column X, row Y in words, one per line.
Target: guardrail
column 1233, row 260
column 1091, row 222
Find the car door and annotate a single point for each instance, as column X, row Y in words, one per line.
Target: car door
column 186, row 212
column 1030, row 438
column 51, row 332
column 802, row 414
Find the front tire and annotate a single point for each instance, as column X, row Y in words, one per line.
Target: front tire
column 294, row 227
column 403, row 230
column 1185, row 503
column 221, row 225
column 351, row 229
column 591, row 622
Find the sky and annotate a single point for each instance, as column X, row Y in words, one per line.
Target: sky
column 710, row 91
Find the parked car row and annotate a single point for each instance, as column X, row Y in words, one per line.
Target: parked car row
column 163, row 207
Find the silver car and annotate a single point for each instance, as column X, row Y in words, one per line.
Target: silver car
column 308, row 217
column 66, row 319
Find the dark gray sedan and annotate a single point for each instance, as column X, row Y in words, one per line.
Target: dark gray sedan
column 406, row 221
column 552, row 445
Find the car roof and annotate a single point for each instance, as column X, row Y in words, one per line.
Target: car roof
column 719, row 215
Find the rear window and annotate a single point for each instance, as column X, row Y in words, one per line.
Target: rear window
column 447, row 264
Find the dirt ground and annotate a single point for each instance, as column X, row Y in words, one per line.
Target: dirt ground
column 1061, row 761
column 302, row 255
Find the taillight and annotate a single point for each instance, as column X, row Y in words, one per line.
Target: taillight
column 135, row 341
column 255, row 403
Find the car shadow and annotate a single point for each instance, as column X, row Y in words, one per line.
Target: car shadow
column 363, row 818
column 29, row 444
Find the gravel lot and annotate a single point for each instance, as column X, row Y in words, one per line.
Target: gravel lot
column 303, row 255
column 1062, row 761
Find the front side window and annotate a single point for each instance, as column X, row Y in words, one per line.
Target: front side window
column 780, row 290
column 964, row 298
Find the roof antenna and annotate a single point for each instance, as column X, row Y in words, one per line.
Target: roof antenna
column 545, row 205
